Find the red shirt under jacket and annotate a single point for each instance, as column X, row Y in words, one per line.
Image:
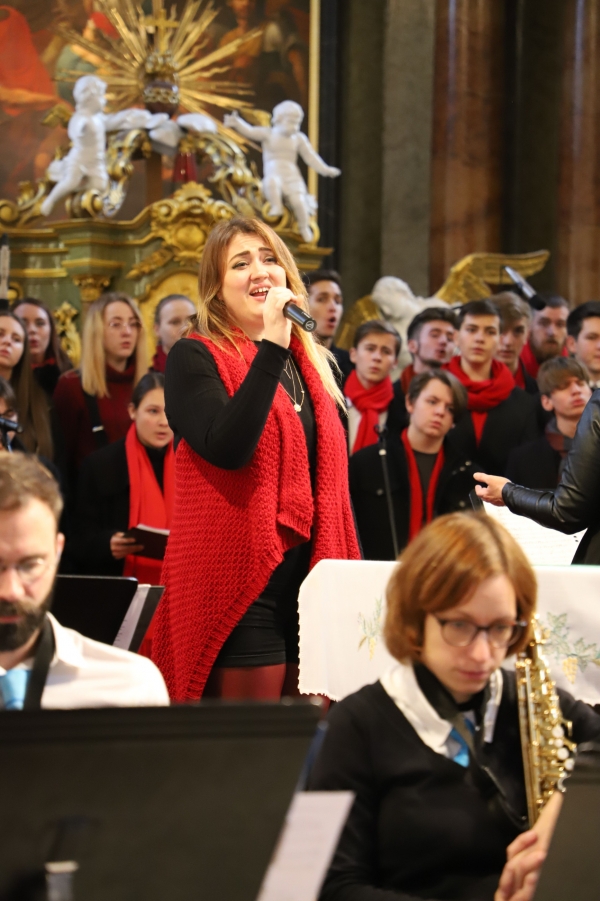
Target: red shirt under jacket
column 73, row 415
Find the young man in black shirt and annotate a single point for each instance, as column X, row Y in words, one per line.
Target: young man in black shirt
column 564, row 391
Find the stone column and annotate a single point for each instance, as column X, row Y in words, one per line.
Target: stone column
column 407, row 99
column 578, row 264
column 467, row 145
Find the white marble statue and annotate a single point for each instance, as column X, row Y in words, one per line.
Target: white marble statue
column 84, row 166
column 281, row 142
column 399, row 306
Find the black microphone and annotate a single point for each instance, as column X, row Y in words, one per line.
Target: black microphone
column 9, row 425
column 525, row 290
column 295, row 314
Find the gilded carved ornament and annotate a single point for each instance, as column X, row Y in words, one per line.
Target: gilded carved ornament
column 183, row 223
column 64, row 318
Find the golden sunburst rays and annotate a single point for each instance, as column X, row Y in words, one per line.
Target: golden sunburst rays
column 162, row 50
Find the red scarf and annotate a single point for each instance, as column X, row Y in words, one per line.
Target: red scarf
column 485, row 395
column 148, row 505
column 159, row 360
column 519, row 375
column 530, row 362
column 369, row 402
column 407, row 377
column 231, row 528
column 415, row 522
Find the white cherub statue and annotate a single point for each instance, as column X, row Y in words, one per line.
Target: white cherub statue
column 84, row 166
column 281, row 142
column 399, row 306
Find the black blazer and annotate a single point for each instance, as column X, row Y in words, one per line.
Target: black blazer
column 102, row 509
column 370, row 503
column 510, row 424
column 534, row 465
column 575, row 503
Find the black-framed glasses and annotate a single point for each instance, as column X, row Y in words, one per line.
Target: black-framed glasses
column 460, row 633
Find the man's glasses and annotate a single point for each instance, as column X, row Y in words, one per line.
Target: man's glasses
column 460, row 633
column 28, row 571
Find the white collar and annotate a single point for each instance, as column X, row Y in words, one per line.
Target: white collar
column 67, row 645
column 67, row 648
column 401, row 685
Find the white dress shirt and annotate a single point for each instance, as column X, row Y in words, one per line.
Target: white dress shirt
column 86, row 673
column 354, row 418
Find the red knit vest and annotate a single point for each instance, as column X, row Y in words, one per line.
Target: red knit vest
column 231, row 528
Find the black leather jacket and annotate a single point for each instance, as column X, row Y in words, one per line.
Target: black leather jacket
column 575, row 504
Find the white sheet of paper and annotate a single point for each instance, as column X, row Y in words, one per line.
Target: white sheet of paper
column 125, row 633
column 306, row 845
column 544, row 547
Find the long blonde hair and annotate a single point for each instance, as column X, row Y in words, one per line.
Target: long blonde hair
column 93, row 355
column 212, row 319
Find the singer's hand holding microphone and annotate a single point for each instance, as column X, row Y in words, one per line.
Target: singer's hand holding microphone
column 281, row 308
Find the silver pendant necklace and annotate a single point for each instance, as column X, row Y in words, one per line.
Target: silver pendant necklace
column 291, row 371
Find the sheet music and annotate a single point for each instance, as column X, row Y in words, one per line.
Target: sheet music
column 544, row 547
column 306, row 845
column 125, row 633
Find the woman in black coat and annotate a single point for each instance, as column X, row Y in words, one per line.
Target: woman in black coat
column 432, row 751
column 99, row 545
column 574, row 504
column 427, row 477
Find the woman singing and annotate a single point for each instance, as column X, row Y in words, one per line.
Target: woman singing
column 261, row 485
column 432, row 751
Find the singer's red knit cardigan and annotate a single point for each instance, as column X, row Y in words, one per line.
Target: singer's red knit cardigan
column 231, row 528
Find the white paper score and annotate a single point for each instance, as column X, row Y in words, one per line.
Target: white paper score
column 308, row 839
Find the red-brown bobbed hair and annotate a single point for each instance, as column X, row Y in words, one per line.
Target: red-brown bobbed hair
column 442, row 568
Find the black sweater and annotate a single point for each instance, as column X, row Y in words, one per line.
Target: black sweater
column 419, row 828
column 226, row 430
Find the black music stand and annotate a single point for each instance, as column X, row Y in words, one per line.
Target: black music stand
column 97, row 605
column 180, row 803
column 572, row 868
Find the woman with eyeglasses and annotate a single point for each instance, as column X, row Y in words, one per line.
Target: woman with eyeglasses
column 432, row 750
column 92, row 402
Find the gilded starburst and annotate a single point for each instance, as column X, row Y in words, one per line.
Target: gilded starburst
column 160, row 56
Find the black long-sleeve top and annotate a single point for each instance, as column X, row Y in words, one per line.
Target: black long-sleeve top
column 575, row 504
column 103, row 507
column 226, row 430
column 419, row 827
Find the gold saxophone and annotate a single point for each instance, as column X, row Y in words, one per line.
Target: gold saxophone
column 545, row 734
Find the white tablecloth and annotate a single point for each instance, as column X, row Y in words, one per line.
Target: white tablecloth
column 342, row 608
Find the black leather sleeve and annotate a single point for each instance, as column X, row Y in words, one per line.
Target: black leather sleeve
column 574, row 504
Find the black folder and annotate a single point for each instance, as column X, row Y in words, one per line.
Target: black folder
column 97, row 605
column 180, row 803
column 93, row 605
